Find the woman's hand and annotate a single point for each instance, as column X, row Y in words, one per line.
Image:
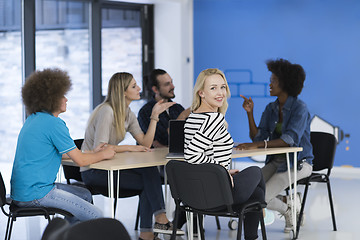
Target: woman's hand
column 108, row 151
column 231, row 179
column 159, row 107
column 248, row 104
column 100, row 147
column 246, row 146
column 138, row 148
column 233, row 171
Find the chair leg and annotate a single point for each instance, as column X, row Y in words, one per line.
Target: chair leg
column 115, row 202
column 331, row 204
column 301, row 214
column 262, row 223
column 217, row 223
column 241, row 217
column 177, row 213
column 200, row 221
column 137, row 216
column 7, row 228
column 10, row 229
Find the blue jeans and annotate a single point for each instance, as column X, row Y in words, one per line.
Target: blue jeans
column 145, row 179
column 74, row 199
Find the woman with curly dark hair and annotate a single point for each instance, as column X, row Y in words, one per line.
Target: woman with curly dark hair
column 284, row 123
column 42, row 141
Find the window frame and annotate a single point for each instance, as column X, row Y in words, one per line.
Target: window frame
column 147, row 25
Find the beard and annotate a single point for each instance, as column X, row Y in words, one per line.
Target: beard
column 169, row 95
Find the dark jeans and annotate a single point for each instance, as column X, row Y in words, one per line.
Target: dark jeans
column 249, row 185
column 146, row 179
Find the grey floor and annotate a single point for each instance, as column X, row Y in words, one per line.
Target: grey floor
column 345, row 185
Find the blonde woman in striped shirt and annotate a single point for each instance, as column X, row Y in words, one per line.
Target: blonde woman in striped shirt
column 208, row 141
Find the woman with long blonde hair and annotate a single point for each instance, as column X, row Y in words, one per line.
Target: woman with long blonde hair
column 108, row 124
column 208, row 141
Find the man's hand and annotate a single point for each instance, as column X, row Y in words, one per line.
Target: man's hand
column 161, row 106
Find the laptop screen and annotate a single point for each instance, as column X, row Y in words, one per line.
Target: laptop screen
column 176, row 136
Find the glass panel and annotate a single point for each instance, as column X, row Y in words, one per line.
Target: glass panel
column 62, row 41
column 121, row 44
column 11, row 111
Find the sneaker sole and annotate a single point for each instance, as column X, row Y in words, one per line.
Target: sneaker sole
column 178, row 232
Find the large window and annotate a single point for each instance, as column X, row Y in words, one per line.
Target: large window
column 90, row 39
column 122, row 47
column 62, row 41
column 11, row 111
column 121, row 44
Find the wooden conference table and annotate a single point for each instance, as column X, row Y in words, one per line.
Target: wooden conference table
column 157, row 157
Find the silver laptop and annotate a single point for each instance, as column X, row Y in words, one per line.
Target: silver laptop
column 176, row 139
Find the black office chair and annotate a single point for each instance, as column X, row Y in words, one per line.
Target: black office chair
column 73, row 173
column 324, row 148
column 100, row 228
column 206, row 189
column 15, row 212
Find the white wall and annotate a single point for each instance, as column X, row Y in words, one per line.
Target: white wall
column 174, row 43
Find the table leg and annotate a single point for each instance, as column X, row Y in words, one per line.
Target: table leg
column 292, row 196
column 111, row 191
column 295, row 195
column 165, row 184
column 117, row 189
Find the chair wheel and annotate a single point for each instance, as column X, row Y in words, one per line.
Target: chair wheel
column 233, row 224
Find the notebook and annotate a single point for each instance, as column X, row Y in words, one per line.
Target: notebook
column 176, row 139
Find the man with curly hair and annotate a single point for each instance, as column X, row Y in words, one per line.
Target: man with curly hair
column 42, row 141
column 284, row 123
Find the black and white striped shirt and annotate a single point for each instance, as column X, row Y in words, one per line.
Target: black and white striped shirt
column 207, row 139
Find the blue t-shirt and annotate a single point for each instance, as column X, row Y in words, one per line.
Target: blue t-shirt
column 41, row 142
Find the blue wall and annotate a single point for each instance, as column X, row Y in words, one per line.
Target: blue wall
column 322, row 36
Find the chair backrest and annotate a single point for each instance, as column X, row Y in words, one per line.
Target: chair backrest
column 199, row 186
column 79, row 142
column 73, row 172
column 55, row 229
column 100, row 228
column 2, row 192
column 324, row 148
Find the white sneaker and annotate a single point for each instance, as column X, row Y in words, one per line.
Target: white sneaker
column 288, row 220
column 298, row 202
column 298, row 207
